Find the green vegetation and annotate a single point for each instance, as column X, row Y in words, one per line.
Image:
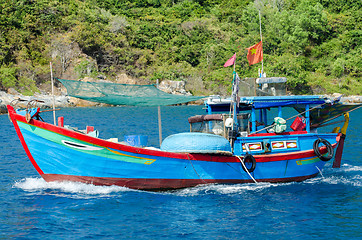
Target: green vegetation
column 316, row 44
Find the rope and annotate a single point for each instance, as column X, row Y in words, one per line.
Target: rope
column 242, row 163
column 270, row 126
column 320, row 171
column 194, row 168
column 321, row 124
column 305, row 111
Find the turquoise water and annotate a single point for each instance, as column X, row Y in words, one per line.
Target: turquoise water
column 325, row 207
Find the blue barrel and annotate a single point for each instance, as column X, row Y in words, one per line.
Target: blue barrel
column 195, row 142
column 136, row 140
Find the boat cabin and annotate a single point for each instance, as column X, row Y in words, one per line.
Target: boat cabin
column 218, row 124
column 257, row 111
column 251, row 131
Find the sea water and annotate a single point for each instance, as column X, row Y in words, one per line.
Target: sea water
column 325, row 207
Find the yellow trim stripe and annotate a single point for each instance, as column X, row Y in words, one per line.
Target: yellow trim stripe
column 308, row 161
column 150, row 161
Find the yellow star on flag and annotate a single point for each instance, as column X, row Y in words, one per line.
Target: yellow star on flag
column 255, row 53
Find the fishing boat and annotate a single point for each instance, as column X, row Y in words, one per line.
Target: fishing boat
column 227, row 148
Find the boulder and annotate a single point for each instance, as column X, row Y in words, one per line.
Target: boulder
column 21, row 101
column 125, row 79
column 12, row 91
column 174, row 87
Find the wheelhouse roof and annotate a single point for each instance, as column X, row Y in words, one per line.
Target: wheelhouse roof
column 276, row 101
column 258, row 102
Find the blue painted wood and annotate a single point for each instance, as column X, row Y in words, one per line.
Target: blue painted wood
column 280, row 113
column 253, row 120
column 54, row 158
column 307, row 118
column 265, row 117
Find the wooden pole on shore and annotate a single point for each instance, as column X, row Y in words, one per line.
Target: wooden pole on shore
column 159, row 122
column 52, row 82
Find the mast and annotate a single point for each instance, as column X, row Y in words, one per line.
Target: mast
column 234, row 104
column 234, row 98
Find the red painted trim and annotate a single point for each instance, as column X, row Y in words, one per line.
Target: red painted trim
column 290, row 156
column 21, row 138
column 161, row 184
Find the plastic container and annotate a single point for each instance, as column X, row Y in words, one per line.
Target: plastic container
column 298, row 124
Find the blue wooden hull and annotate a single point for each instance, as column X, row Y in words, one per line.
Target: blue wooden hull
column 59, row 154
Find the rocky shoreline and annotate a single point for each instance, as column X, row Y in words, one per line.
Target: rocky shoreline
column 45, row 101
column 62, row 100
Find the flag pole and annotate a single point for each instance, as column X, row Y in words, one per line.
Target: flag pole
column 234, row 62
column 261, row 39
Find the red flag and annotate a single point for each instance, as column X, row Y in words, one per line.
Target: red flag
column 231, row 61
column 255, row 53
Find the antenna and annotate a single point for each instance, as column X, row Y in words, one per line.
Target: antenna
column 261, row 39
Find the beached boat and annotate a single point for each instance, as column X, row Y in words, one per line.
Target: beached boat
column 241, row 147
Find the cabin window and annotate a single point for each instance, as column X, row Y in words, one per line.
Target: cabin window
column 215, row 123
column 213, row 127
column 243, row 122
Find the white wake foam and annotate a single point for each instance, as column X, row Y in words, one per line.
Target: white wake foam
column 350, row 168
column 335, row 180
column 38, row 185
column 227, row 189
column 82, row 190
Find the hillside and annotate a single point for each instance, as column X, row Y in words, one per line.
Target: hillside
column 316, row 44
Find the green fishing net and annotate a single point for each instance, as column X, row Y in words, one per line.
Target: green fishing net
column 123, row 94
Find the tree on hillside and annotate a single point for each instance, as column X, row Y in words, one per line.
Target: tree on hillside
column 316, row 44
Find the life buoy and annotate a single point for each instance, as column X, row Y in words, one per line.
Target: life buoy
column 328, row 146
column 249, row 158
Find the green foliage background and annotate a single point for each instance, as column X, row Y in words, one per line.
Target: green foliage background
column 316, row 44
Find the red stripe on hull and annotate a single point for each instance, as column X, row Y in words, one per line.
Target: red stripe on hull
column 161, row 184
column 23, row 143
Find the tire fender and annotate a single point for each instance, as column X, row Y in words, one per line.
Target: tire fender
column 249, row 158
column 329, row 147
